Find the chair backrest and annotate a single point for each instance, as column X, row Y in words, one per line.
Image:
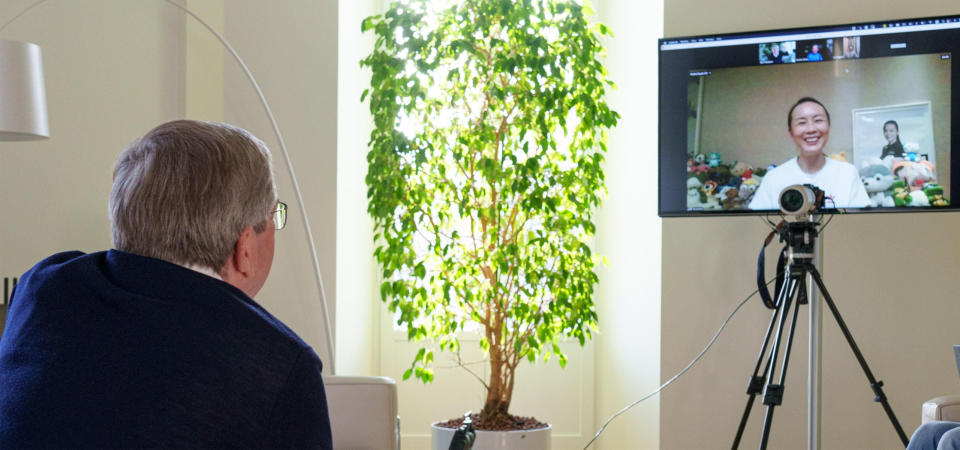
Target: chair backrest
column 363, row 412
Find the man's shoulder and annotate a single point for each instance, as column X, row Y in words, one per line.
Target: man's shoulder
column 61, row 267
column 115, row 275
column 58, row 260
column 271, row 326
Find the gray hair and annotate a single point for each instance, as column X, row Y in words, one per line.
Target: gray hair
column 184, row 192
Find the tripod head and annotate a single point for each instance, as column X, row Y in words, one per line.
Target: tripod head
column 798, row 231
column 799, row 238
column 800, row 202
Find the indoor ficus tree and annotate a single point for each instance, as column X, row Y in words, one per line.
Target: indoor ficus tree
column 485, row 167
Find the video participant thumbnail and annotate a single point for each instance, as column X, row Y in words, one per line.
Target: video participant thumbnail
column 777, row 52
column 815, row 50
column 849, row 48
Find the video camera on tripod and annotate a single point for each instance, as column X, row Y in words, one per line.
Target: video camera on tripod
column 799, row 202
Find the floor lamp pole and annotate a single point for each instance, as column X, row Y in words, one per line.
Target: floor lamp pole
column 286, row 158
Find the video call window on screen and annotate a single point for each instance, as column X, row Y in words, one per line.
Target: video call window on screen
column 886, row 89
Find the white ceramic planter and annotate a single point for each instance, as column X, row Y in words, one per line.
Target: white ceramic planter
column 496, row 440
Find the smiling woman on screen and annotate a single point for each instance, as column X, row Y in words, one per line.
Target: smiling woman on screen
column 808, row 124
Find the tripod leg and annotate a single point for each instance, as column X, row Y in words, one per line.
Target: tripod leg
column 773, row 394
column 756, row 383
column 877, row 386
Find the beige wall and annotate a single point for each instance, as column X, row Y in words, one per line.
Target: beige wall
column 893, row 289
column 628, row 233
column 358, row 300
column 115, row 68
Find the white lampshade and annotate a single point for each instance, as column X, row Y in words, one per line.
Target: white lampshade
column 23, row 101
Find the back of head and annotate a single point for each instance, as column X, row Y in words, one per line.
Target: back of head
column 184, row 191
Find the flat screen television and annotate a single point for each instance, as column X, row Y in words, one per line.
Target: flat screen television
column 880, row 136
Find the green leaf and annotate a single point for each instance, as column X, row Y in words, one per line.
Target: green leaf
column 385, row 291
column 368, row 23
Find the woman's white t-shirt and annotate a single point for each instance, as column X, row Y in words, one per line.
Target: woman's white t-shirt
column 840, row 182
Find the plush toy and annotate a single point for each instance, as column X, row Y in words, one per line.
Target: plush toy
column 731, row 199
column 700, row 196
column 915, row 174
column 740, row 168
column 719, row 174
column 693, row 193
column 934, row 194
column 912, row 156
column 714, row 159
column 877, row 179
column 747, row 188
column 842, row 156
column 708, row 187
column 741, row 171
column 722, row 192
column 733, row 181
column 700, row 168
column 700, row 158
column 900, row 193
column 919, row 198
column 712, row 203
column 708, row 195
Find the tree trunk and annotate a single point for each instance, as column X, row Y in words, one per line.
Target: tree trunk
column 498, row 395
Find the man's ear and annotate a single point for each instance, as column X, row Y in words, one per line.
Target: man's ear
column 242, row 257
column 239, row 262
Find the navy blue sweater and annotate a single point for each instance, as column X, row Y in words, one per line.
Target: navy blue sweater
column 115, row 350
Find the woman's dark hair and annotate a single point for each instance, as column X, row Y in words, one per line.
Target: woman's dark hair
column 804, row 100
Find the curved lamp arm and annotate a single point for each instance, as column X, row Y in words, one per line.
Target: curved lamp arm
column 286, row 158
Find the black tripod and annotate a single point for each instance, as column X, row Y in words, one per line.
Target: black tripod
column 799, row 237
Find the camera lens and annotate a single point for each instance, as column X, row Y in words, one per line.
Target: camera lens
column 791, row 200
